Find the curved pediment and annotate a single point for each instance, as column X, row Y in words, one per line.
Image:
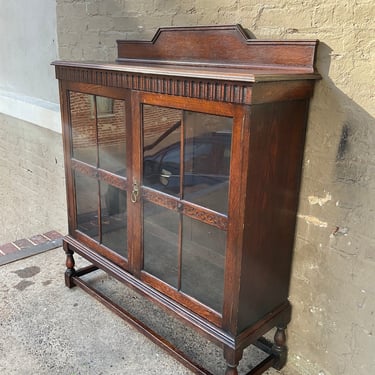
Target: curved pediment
column 227, row 46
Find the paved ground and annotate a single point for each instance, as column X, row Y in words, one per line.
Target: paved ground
column 46, row 328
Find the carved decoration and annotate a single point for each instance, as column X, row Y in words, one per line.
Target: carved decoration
column 231, row 92
column 195, row 212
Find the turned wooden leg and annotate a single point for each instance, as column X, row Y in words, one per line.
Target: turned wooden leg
column 70, row 263
column 279, row 348
column 232, row 358
column 231, row 369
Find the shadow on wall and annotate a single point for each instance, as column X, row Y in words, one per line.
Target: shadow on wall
column 333, row 280
column 339, row 154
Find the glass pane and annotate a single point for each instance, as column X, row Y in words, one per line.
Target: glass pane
column 160, row 243
column 113, row 209
column 87, row 204
column 161, row 148
column 82, row 112
column 203, row 253
column 207, row 160
column 111, row 134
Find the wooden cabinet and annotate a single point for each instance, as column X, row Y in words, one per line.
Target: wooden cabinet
column 183, row 163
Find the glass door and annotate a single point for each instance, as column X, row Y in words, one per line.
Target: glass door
column 98, row 150
column 186, row 162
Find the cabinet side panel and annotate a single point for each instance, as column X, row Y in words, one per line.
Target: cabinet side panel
column 277, row 136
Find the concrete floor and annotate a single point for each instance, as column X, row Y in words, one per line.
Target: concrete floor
column 46, row 328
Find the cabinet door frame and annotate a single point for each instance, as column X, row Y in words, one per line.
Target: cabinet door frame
column 72, row 165
column 239, row 116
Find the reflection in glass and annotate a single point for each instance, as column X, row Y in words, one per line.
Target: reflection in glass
column 113, row 210
column 104, row 106
column 206, row 155
column 203, row 253
column 207, row 160
column 186, row 154
column 83, row 127
column 161, row 148
column 111, row 134
column 98, row 131
column 86, row 189
column 160, row 243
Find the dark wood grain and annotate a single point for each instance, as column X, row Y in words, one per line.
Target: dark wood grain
column 214, row 45
column 264, row 87
column 184, row 207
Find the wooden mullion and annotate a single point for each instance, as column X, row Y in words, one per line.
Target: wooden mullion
column 180, row 234
column 96, row 131
column 182, row 175
column 97, row 166
column 182, row 157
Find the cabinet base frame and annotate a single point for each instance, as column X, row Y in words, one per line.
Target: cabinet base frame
column 277, row 352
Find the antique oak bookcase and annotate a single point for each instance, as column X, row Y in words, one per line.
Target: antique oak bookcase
column 183, row 162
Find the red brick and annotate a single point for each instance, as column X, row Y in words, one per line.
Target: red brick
column 8, row 248
column 38, row 239
column 53, row 235
column 24, row 243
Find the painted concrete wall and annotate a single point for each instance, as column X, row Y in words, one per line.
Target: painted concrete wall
column 333, row 281
column 28, row 90
column 28, row 45
column 32, row 184
column 32, row 191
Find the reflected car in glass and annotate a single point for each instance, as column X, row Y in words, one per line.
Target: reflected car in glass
column 206, row 162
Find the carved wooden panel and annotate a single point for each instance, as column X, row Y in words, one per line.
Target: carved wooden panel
column 109, row 178
column 195, row 212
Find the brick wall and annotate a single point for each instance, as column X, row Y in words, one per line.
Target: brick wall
column 333, row 281
column 111, row 127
